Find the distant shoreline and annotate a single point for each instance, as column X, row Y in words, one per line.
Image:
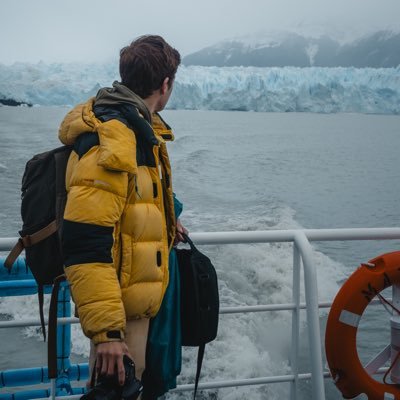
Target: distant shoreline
column 14, row 103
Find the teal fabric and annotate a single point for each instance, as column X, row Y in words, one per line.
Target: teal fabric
column 164, row 351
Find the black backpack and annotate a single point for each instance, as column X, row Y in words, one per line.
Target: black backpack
column 199, row 301
column 42, row 209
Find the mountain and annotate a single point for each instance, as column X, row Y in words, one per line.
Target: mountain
column 279, row 49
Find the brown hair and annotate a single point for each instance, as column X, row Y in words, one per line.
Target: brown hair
column 146, row 62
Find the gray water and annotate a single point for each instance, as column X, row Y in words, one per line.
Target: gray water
column 246, row 171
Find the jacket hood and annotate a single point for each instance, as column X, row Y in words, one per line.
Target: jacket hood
column 117, row 144
column 80, row 119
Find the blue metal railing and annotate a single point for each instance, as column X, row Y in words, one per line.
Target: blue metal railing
column 20, row 282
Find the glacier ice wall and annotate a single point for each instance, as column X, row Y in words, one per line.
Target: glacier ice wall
column 324, row 90
column 54, row 84
column 315, row 89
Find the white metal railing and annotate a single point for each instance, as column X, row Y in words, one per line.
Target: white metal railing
column 302, row 255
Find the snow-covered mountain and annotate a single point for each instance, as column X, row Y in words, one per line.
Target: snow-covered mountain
column 280, row 49
column 315, row 89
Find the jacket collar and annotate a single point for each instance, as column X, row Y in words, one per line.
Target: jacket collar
column 121, row 95
column 162, row 130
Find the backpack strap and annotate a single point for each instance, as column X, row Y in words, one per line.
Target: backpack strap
column 29, row 240
column 14, row 253
column 52, row 342
column 61, row 160
column 41, row 302
column 200, row 356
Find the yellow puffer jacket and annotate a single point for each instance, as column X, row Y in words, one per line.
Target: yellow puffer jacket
column 119, row 221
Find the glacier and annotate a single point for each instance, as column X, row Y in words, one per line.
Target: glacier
column 265, row 89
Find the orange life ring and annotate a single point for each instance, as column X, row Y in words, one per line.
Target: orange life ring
column 349, row 375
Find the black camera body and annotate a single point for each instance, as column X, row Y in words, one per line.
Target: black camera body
column 108, row 387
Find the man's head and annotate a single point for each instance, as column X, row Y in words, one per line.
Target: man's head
column 147, row 64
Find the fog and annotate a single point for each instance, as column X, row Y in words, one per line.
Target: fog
column 91, row 30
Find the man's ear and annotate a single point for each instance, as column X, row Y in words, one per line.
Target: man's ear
column 164, row 86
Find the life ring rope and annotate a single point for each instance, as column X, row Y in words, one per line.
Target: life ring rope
column 383, row 300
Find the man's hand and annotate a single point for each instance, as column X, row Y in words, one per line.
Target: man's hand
column 179, row 230
column 109, row 359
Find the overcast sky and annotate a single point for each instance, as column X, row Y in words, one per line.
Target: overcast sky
column 89, row 30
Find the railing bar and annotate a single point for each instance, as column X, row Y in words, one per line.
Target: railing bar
column 235, row 237
column 6, row 244
column 36, row 322
column 209, row 238
column 238, row 382
column 289, row 235
column 224, row 310
column 271, row 307
column 232, row 383
column 316, row 235
column 222, row 384
column 258, row 308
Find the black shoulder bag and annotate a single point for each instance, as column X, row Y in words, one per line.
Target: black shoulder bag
column 199, row 301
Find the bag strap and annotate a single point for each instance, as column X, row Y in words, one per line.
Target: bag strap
column 93, row 375
column 200, row 356
column 29, row 240
column 52, row 342
column 189, row 241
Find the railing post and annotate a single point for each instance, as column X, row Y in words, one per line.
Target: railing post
column 294, row 355
column 63, row 384
column 314, row 336
column 53, row 389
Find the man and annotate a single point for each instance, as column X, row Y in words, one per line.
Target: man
column 119, row 223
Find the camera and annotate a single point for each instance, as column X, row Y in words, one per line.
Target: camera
column 108, row 387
